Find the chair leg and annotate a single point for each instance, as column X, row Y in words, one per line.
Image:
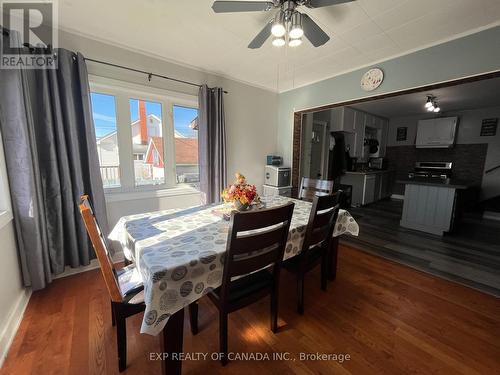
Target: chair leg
column 113, row 320
column 121, row 337
column 274, row 309
column 223, row 337
column 193, row 317
column 300, row 293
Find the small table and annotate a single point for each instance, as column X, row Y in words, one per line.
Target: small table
column 180, row 255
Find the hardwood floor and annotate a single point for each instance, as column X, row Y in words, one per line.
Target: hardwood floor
column 470, row 255
column 389, row 318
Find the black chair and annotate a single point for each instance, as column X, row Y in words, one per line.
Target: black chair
column 316, row 246
column 252, row 264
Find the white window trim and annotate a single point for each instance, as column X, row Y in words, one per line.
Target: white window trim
column 123, row 91
column 5, row 205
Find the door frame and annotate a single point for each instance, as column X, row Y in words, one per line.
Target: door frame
column 298, row 115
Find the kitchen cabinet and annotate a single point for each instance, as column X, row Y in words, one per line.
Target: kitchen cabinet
column 359, row 135
column 368, row 187
column 342, row 119
column 436, row 132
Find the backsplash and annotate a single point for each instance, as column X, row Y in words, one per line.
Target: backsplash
column 468, row 161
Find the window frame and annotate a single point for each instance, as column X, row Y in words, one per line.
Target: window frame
column 123, row 92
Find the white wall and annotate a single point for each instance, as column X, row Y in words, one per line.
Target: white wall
column 13, row 296
column 469, row 130
column 251, row 113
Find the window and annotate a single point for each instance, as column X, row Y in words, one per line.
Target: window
column 147, row 138
column 186, row 145
column 147, row 141
column 104, row 114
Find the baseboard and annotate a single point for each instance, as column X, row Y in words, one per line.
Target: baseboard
column 68, row 271
column 491, row 215
column 8, row 332
column 398, row 196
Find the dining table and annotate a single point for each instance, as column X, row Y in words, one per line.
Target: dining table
column 180, row 256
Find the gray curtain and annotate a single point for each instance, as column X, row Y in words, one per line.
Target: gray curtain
column 211, row 143
column 51, row 157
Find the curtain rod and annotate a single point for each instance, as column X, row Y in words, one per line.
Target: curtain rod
column 149, row 74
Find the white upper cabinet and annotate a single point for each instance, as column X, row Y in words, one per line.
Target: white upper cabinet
column 436, row 133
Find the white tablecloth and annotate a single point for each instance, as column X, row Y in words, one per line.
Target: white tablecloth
column 180, row 252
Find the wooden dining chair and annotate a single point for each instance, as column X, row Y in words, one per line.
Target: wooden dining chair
column 316, row 245
column 309, row 188
column 124, row 286
column 255, row 247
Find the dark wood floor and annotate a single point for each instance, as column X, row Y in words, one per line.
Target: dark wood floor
column 389, row 318
column 470, row 255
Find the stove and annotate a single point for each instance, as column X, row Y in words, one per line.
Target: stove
column 432, row 170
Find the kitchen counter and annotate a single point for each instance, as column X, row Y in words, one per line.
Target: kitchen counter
column 449, row 182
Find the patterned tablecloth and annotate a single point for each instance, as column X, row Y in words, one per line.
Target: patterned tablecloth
column 180, row 252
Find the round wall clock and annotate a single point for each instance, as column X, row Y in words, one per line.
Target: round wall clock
column 372, row 79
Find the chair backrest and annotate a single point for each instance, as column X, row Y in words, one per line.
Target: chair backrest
column 310, row 188
column 256, row 240
column 101, row 249
column 321, row 224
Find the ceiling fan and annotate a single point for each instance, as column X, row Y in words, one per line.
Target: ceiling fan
column 288, row 24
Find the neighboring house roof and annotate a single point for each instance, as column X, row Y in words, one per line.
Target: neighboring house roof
column 186, row 150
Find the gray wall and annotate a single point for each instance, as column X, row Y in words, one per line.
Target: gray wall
column 468, row 56
column 469, row 129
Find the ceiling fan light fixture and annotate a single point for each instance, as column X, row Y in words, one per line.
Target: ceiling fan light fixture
column 428, row 104
column 295, row 42
column 279, row 42
column 296, row 30
column 278, row 29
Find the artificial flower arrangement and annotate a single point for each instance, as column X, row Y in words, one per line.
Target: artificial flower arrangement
column 240, row 193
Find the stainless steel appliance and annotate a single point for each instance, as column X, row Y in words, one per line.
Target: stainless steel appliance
column 277, row 176
column 432, row 169
column 376, row 163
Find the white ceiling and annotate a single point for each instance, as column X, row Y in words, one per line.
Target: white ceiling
column 362, row 33
column 474, row 95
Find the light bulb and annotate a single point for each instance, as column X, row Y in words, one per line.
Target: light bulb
column 279, row 42
column 437, row 109
column 296, row 30
column 428, row 104
column 431, row 108
column 278, row 29
column 295, row 42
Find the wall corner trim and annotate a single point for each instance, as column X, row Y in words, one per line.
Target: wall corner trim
column 9, row 330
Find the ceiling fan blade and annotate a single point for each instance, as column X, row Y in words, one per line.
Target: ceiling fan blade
column 261, row 37
column 325, row 3
column 313, row 32
column 241, row 6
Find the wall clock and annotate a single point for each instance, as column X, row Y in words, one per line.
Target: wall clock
column 372, row 79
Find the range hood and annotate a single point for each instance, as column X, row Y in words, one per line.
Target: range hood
column 437, row 133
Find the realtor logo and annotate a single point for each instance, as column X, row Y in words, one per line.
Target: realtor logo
column 29, row 34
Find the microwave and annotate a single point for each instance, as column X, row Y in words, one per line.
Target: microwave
column 277, row 176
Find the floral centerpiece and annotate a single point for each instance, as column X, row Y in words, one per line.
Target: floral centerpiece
column 240, row 193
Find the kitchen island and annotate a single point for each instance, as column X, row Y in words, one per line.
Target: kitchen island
column 431, row 204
